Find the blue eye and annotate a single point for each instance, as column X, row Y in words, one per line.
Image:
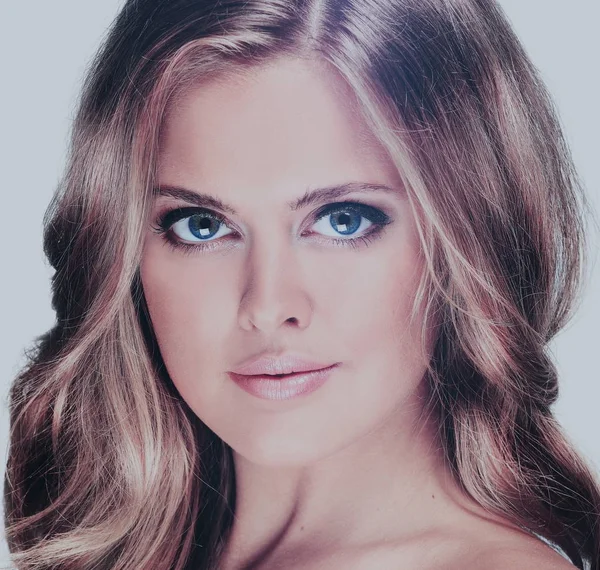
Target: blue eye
column 188, row 228
column 344, row 221
column 199, row 226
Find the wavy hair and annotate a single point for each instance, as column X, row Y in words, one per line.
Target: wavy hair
column 109, row 468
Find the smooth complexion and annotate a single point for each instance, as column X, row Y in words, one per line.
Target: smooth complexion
column 349, row 474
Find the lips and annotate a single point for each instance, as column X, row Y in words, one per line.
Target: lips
column 271, row 366
column 290, row 375
column 283, row 387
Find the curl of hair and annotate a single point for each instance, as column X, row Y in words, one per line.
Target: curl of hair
column 109, row 468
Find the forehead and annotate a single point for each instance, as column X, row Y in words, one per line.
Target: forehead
column 290, row 124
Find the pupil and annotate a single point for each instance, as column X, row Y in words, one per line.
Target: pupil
column 200, row 226
column 345, row 220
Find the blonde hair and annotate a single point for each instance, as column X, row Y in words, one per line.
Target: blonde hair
column 107, row 465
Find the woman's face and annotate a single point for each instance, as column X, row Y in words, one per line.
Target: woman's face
column 270, row 278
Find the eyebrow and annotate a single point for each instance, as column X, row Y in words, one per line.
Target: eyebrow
column 309, row 198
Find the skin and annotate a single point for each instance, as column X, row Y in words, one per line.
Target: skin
column 350, row 475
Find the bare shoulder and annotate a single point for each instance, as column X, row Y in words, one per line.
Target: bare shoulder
column 517, row 557
column 462, row 550
column 485, row 541
column 488, row 545
column 511, row 549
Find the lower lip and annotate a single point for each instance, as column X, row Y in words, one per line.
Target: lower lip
column 284, row 388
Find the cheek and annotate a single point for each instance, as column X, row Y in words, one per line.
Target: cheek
column 372, row 311
column 190, row 310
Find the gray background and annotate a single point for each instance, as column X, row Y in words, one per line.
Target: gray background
column 45, row 48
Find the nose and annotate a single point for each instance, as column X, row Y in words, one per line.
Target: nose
column 274, row 292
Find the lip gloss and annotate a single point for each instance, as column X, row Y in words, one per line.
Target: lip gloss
column 284, row 387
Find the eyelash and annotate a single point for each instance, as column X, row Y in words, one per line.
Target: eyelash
column 379, row 220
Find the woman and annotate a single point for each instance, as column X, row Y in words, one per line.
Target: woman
column 309, row 256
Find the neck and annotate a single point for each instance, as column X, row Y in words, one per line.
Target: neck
column 389, row 484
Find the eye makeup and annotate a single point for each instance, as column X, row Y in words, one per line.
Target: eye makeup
column 165, row 222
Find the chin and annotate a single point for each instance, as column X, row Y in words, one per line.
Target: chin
column 280, row 452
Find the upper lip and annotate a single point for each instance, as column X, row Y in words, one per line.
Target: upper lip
column 285, row 363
